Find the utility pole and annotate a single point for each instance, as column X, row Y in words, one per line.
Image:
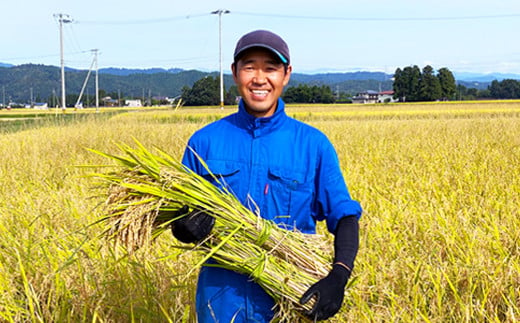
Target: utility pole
column 97, row 79
column 94, row 63
column 62, row 19
column 219, row 13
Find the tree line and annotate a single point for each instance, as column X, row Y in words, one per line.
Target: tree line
column 206, row 92
column 412, row 84
column 504, row 89
column 30, row 83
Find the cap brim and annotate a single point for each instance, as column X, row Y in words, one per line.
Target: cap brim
column 274, row 51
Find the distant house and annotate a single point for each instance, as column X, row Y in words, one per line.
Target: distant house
column 386, row 96
column 37, row 106
column 133, row 103
column 109, row 102
column 370, row 96
column 41, row 106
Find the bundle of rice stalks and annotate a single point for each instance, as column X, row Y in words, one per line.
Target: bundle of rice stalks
column 285, row 263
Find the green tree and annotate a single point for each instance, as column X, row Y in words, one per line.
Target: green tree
column 398, row 85
column 231, row 95
column 495, row 89
column 484, row 93
column 304, row 93
column 414, row 80
column 406, row 83
column 464, row 93
column 204, row 92
column 447, row 83
column 505, row 89
column 429, row 85
column 323, row 94
column 297, row 94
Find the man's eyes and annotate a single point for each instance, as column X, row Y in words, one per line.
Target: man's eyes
column 272, row 68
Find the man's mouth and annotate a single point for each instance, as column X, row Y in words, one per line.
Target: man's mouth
column 260, row 93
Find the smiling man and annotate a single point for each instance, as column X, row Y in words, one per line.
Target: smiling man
column 285, row 169
column 261, row 71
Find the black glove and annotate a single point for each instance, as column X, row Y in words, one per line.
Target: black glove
column 192, row 227
column 329, row 292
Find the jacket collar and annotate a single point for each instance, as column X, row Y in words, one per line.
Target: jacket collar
column 264, row 125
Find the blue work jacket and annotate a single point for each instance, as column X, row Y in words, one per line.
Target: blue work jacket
column 291, row 172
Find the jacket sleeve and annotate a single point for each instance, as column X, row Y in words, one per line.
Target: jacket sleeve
column 333, row 200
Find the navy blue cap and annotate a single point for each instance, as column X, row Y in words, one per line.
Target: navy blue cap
column 264, row 39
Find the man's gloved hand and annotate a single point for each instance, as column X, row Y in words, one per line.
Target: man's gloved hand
column 329, row 293
column 192, row 227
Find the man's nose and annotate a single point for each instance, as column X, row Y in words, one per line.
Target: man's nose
column 259, row 77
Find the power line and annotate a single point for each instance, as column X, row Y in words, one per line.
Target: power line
column 284, row 16
column 497, row 16
column 69, row 32
column 42, row 56
column 141, row 21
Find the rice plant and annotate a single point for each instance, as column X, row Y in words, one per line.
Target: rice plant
column 439, row 236
column 285, row 263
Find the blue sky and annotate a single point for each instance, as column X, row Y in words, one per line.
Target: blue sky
column 323, row 36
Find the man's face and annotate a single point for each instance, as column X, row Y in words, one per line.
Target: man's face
column 260, row 78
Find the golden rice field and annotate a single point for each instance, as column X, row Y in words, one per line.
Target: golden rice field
column 440, row 236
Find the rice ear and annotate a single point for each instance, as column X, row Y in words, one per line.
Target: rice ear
column 284, row 263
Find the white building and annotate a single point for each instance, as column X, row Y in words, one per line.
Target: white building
column 368, row 96
column 38, row 106
column 133, row 103
column 386, row 97
column 374, row 97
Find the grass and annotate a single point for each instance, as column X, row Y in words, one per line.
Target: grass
column 439, row 238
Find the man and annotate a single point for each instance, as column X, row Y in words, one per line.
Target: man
column 289, row 169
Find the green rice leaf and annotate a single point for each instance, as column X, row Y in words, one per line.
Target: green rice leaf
column 148, row 187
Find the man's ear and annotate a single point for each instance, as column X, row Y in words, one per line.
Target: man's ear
column 287, row 76
column 234, row 71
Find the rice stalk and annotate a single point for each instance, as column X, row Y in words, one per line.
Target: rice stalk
column 285, row 263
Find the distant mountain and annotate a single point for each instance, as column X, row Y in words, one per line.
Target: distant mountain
column 475, row 84
column 41, row 82
column 481, row 81
column 481, row 77
column 331, row 78
column 127, row 71
column 351, row 83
